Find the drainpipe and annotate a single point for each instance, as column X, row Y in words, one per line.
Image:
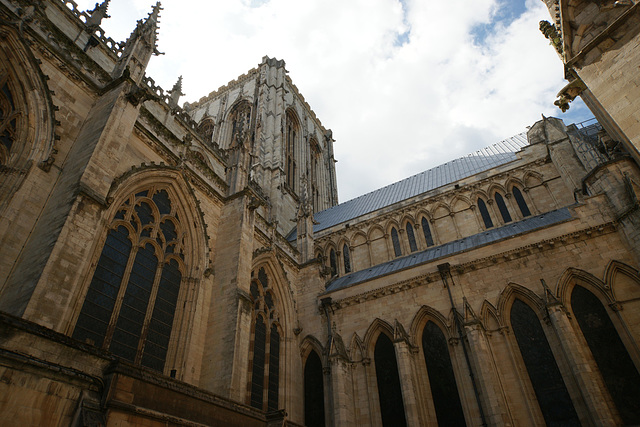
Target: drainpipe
column 326, row 307
column 445, row 272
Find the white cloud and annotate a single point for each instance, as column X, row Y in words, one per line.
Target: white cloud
column 395, row 109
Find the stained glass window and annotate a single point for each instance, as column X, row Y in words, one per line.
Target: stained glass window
column 388, row 379
column 552, row 394
column 313, row 391
column 131, row 301
column 618, row 371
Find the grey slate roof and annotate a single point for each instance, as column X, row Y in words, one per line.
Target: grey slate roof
column 461, row 245
column 495, row 155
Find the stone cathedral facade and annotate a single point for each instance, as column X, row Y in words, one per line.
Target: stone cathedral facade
column 190, row 266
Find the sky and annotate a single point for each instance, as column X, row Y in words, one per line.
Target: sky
column 405, row 85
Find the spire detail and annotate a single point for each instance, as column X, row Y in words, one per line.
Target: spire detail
column 175, row 93
column 98, row 13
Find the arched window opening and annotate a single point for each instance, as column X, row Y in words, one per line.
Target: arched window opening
column 442, row 381
column 522, row 205
column 618, row 371
column 240, row 119
column 333, row 262
column 265, row 354
column 313, row 391
column 8, row 121
column 389, row 389
column 552, row 394
column 412, row 238
column 502, row 207
column 396, row 242
column 206, row 128
column 427, row 232
column 486, row 218
column 291, row 134
column 347, row 258
column 131, row 301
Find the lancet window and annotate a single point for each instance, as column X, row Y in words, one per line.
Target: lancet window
column 411, row 237
column 291, row 134
column 346, row 257
column 265, row 356
column 333, row 262
column 388, row 379
column 484, row 213
column 522, row 204
column 427, row 232
column 502, row 207
column 313, row 391
column 616, row 366
column 442, row 381
column 395, row 240
column 130, row 305
column 552, row 394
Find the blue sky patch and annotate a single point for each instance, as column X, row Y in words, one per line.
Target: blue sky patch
column 506, row 12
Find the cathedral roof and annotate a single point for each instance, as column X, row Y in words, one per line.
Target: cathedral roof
column 486, row 237
column 495, row 155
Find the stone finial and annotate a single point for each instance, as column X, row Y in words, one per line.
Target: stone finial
column 98, row 13
column 175, row 93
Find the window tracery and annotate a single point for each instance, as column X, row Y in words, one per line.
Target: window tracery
column 265, row 360
column 130, row 305
column 206, row 129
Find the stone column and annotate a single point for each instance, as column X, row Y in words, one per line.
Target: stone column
column 590, row 387
column 341, row 390
column 406, row 372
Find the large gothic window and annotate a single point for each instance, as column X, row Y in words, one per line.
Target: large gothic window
column 292, row 132
column 395, row 240
column 131, row 302
column 552, row 394
column 502, row 207
column 618, row 371
column 484, row 213
column 412, row 238
column 427, row 232
column 8, row 120
column 389, row 389
column 522, row 204
column 313, row 391
column 444, row 390
column 265, row 360
column 346, row 255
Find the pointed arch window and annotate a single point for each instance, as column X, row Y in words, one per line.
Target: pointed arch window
column 346, row 255
column 484, row 213
column 427, row 232
column 8, row 120
column 411, row 237
column 265, row 356
column 442, row 381
column 131, row 302
column 552, row 394
column 388, row 379
column 313, row 391
column 291, row 134
column 618, row 371
column 502, row 207
column 333, row 262
column 396, row 242
column 206, row 129
column 522, row 204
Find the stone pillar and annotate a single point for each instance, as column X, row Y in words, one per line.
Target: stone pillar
column 406, row 372
column 590, row 387
column 490, row 389
column 342, row 391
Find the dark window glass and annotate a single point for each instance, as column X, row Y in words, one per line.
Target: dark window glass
column 333, row 261
column 412, row 238
column 554, row 400
column 347, row 259
column 274, row 368
column 522, row 205
column 619, row 373
column 389, row 391
column 257, row 375
column 145, row 214
column 262, row 277
column 444, row 390
column 396, row 242
column 486, row 218
column 502, row 207
column 313, row 392
column 427, row 232
column 206, row 128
